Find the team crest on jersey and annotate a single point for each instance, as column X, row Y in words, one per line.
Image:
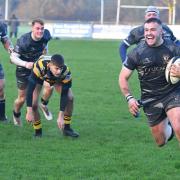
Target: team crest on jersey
column 166, row 59
column 146, row 61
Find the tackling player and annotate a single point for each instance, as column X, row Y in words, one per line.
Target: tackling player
column 28, row 49
column 136, row 35
column 52, row 70
column 8, row 46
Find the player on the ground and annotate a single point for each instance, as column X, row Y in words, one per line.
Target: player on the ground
column 52, row 70
column 28, row 49
column 136, row 35
column 8, row 46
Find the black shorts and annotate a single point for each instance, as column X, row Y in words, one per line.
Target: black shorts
column 1, row 72
column 22, row 77
column 156, row 111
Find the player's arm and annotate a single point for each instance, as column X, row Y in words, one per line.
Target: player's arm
column 45, row 51
column 15, row 59
column 7, row 44
column 123, row 50
column 123, row 80
column 33, row 81
column 64, row 95
column 63, row 103
column 48, row 37
column 5, row 39
column 124, row 76
column 132, row 38
column 173, row 38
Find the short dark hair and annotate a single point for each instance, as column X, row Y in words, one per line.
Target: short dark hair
column 156, row 20
column 40, row 21
column 57, row 60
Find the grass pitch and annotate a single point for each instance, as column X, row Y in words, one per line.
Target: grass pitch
column 112, row 145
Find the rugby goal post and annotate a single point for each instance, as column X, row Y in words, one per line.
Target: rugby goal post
column 171, row 7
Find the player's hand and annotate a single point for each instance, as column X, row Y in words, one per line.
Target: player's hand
column 29, row 65
column 11, row 50
column 29, row 115
column 175, row 70
column 60, row 120
column 133, row 106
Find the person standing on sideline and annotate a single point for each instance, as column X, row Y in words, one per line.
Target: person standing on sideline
column 9, row 47
column 160, row 99
column 136, row 35
column 13, row 24
column 28, row 49
column 52, row 70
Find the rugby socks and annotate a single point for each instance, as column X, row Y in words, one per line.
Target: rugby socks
column 38, row 128
column 168, row 131
column 44, row 102
column 67, row 122
column 16, row 115
column 2, row 109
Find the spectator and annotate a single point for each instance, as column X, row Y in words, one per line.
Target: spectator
column 13, row 23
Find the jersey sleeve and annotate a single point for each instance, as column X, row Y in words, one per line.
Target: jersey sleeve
column 168, row 34
column 66, row 84
column 131, row 60
column 47, row 35
column 20, row 46
column 3, row 30
column 135, row 36
column 39, row 68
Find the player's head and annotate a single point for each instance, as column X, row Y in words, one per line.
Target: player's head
column 151, row 12
column 56, row 64
column 37, row 29
column 153, row 32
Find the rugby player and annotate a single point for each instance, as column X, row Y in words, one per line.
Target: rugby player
column 160, row 99
column 136, row 35
column 9, row 47
column 28, row 49
column 52, row 70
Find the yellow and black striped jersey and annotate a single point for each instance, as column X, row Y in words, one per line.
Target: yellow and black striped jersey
column 42, row 71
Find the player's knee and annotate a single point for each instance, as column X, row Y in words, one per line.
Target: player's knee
column 21, row 99
column 160, row 142
column 177, row 131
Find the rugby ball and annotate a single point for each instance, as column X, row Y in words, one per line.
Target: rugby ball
column 169, row 78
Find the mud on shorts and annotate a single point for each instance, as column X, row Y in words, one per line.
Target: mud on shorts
column 1, row 72
column 22, row 77
column 156, row 111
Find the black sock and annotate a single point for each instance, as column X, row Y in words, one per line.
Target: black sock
column 2, row 108
column 17, row 115
column 44, row 102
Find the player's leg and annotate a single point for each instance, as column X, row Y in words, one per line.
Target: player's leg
column 162, row 132
column 68, row 131
column 159, row 124
column 37, row 121
column 174, row 114
column 22, row 75
column 18, row 104
column 47, row 92
column 2, row 96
